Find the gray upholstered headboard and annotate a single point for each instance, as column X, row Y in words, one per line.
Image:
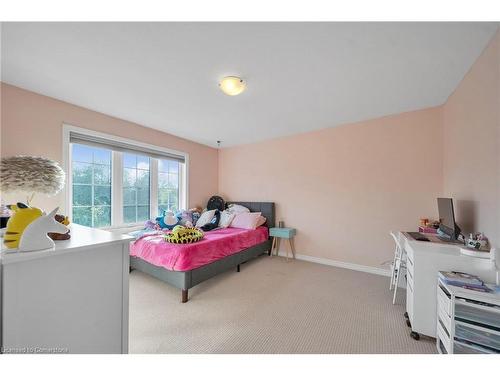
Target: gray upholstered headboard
column 267, row 209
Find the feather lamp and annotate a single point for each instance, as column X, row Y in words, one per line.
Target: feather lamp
column 31, row 174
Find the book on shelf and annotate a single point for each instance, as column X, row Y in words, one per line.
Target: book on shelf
column 460, row 279
column 429, row 230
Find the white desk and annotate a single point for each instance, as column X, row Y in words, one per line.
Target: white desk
column 73, row 298
column 424, row 260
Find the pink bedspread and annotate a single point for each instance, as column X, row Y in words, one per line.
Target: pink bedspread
column 215, row 245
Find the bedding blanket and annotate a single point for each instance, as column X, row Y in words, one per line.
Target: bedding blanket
column 184, row 257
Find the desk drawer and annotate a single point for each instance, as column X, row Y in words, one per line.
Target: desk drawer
column 463, row 348
column 488, row 316
column 478, row 335
column 443, row 300
column 409, row 301
column 445, row 320
column 444, row 338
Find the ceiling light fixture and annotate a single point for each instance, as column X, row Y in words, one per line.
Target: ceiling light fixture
column 232, row 85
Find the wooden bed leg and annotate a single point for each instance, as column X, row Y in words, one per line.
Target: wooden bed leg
column 238, row 268
column 184, row 295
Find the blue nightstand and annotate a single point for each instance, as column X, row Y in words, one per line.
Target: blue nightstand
column 278, row 234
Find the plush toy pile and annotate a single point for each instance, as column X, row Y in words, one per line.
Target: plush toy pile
column 186, row 218
column 183, row 235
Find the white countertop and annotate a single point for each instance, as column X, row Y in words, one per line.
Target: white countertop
column 81, row 238
column 433, row 246
column 449, row 257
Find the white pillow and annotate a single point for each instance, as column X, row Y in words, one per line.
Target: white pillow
column 226, row 218
column 205, row 218
column 246, row 220
column 262, row 220
column 237, row 209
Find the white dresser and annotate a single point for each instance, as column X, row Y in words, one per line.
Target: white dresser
column 424, row 261
column 73, row 299
column 468, row 321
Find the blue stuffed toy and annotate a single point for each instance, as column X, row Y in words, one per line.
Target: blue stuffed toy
column 168, row 220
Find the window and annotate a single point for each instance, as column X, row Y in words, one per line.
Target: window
column 136, row 188
column 117, row 182
column 91, row 179
column 168, row 186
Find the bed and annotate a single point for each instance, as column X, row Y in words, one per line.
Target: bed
column 185, row 266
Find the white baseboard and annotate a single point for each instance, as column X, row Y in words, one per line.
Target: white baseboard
column 337, row 263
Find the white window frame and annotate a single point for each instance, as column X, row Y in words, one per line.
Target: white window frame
column 117, row 176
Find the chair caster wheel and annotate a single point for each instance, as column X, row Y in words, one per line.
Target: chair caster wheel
column 415, row 335
column 408, row 323
column 406, row 315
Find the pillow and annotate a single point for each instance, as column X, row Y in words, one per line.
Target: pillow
column 237, row 209
column 245, row 220
column 226, row 218
column 261, row 221
column 205, row 218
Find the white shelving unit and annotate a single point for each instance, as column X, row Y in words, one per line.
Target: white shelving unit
column 468, row 321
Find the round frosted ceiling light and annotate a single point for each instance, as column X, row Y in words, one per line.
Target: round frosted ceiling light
column 232, row 85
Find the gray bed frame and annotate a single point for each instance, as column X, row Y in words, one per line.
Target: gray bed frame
column 188, row 279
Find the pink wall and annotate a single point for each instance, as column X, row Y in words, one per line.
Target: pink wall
column 32, row 125
column 345, row 188
column 383, row 174
column 472, row 145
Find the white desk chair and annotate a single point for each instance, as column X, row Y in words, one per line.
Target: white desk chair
column 397, row 267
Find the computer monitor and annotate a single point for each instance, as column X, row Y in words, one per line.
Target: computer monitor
column 448, row 228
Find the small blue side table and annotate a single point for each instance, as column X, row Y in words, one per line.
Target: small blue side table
column 277, row 234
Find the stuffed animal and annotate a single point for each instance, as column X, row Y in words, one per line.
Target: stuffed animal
column 28, row 227
column 60, row 236
column 195, row 214
column 168, row 220
column 184, row 216
column 183, row 235
column 150, row 225
column 23, row 215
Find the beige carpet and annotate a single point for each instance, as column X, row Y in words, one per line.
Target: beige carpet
column 272, row 306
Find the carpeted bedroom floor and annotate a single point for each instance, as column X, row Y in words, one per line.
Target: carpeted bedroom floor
column 272, row 306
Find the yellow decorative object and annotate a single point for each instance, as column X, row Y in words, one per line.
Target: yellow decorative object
column 183, row 235
column 22, row 217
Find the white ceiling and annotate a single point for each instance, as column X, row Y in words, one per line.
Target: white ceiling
column 300, row 76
